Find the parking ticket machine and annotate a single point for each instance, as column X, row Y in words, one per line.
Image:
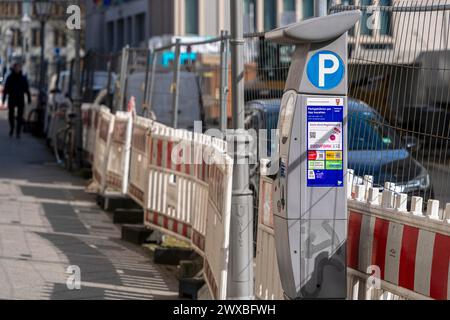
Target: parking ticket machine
column 309, row 190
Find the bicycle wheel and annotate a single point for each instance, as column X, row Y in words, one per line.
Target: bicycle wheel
column 68, row 150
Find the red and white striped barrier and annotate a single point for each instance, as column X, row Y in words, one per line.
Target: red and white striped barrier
column 102, row 145
column 409, row 251
column 117, row 170
column 189, row 196
column 139, row 159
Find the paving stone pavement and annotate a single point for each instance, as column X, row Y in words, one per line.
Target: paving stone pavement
column 48, row 223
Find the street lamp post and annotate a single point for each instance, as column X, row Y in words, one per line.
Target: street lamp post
column 26, row 22
column 42, row 10
column 8, row 39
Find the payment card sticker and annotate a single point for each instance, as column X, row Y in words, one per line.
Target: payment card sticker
column 325, row 140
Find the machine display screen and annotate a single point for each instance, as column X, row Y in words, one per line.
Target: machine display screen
column 325, row 150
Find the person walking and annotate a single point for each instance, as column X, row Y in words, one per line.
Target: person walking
column 16, row 86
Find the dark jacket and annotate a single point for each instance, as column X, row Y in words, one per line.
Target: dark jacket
column 16, row 87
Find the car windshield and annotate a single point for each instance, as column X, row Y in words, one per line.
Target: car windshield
column 100, row 80
column 368, row 131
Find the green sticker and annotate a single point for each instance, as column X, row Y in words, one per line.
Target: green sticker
column 334, row 165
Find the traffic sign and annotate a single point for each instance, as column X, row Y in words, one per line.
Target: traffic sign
column 325, row 70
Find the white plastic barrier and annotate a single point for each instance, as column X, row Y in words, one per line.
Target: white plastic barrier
column 117, row 170
column 102, row 145
column 267, row 276
column 189, row 196
column 139, row 160
column 90, row 116
column 408, row 250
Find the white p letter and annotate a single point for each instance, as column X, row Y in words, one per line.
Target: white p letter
column 324, row 70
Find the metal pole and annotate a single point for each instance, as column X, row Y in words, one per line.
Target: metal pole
column 41, row 77
column 108, row 84
column 223, row 80
column 176, row 81
column 123, row 76
column 147, row 67
column 152, row 81
column 77, row 98
column 240, row 284
column 320, row 8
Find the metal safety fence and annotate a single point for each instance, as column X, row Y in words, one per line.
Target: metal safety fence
column 399, row 117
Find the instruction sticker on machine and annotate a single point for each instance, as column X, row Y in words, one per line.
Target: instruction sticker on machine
column 325, row 134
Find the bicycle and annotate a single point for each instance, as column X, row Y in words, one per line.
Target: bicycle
column 67, row 135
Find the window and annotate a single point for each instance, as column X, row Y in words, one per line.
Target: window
column 36, row 37
column 110, row 34
column 368, row 131
column 129, row 31
column 191, row 17
column 385, row 18
column 365, row 30
column 249, row 15
column 120, row 34
column 351, row 32
column 59, row 38
column 140, row 28
column 289, row 15
column 308, row 8
column 270, row 14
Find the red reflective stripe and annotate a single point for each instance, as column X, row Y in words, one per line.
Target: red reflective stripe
column 380, row 233
column 155, row 218
column 188, row 159
column 175, row 226
column 408, row 257
column 159, row 155
column 203, row 171
column 354, row 233
column 169, row 154
column 180, row 156
column 439, row 267
column 150, row 147
column 185, row 230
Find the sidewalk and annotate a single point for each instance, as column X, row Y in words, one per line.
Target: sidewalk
column 48, row 223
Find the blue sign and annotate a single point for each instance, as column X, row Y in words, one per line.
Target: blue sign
column 325, row 139
column 325, row 70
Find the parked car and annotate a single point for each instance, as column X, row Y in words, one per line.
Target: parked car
column 189, row 100
column 374, row 147
column 94, row 82
column 429, row 124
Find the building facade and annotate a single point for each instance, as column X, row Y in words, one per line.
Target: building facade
column 22, row 41
column 112, row 24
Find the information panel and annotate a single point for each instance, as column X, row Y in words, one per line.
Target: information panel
column 325, row 166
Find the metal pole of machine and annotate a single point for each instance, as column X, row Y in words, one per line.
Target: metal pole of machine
column 175, row 84
column 320, row 8
column 240, row 283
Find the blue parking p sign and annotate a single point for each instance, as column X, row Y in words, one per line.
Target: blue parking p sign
column 325, row 70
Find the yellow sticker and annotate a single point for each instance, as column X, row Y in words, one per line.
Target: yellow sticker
column 334, row 155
